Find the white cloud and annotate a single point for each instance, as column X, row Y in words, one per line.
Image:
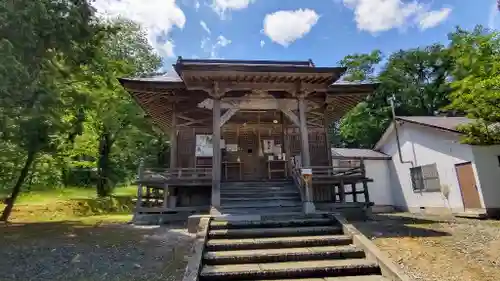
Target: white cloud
column 197, row 5
column 382, row 15
column 284, row 27
column 213, row 49
column 205, row 27
column 222, row 41
column 157, row 17
column 221, row 6
column 433, row 18
column 262, row 43
column 493, row 20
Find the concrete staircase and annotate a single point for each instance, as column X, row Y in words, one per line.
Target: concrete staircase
column 258, row 198
column 285, row 247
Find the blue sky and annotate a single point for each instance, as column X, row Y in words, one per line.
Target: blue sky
column 322, row 30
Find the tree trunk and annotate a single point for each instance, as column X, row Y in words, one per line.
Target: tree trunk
column 103, row 188
column 17, row 188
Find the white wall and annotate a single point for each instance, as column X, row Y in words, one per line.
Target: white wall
column 488, row 171
column 423, row 145
column 380, row 188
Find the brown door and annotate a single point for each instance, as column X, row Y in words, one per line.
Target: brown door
column 468, row 186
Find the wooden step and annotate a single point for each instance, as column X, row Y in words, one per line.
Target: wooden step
column 262, row 204
column 260, row 199
column 274, row 232
column 277, row 242
column 251, row 194
column 283, row 255
column 272, row 223
column 275, row 211
column 299, row 269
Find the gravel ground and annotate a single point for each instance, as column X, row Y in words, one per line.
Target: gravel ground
column 73, row 251
column 438, row 248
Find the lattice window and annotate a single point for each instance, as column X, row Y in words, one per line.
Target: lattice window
column 425, row 178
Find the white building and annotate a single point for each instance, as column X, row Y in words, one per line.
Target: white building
column 430, row 170
column 377, row 169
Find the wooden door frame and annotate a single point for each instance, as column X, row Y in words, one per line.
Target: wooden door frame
column 460, row 185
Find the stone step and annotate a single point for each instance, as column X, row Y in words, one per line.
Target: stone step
column 262, row 204
column 259, row 199
column 277, row 242
column 271, row 223
column 275, row 211
column 283, row 255
column 340, row 278
column 298, row 269
column 274, row 232
column 258, row 183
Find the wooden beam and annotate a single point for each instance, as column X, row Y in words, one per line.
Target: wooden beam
column 291, row 116
column 216, row 158
column 173, row 140
column 304, row 133
column 227, row 115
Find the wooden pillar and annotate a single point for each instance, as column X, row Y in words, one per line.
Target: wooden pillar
column 304, row 134
column 342, row 191
column 354, row 192
column 140, row 176
column 173, row 140
column 365, row 190
column 216, row 158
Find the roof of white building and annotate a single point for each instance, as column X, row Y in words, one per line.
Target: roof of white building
column 443, row 123
column 358, row 153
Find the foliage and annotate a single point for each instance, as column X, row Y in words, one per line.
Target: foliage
column 62, row 108
column 416, row 78
column 361, row 67
column 476, row 83
column 42, row 41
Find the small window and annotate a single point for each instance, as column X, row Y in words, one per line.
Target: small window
column 425, row 178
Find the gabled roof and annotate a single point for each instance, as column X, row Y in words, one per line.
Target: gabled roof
column 438, row 122
column 358, row 153
column 443, row 123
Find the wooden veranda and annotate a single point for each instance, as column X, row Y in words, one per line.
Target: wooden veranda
column 232, row 120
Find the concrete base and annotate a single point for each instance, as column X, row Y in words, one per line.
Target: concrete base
column 309, row 207
column 193, row 222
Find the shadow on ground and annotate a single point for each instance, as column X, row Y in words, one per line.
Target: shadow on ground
column 71, row 250
column 395, row 225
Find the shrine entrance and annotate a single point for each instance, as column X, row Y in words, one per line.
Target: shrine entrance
column 253, row 147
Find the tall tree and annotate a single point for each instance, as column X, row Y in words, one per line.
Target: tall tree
column 417, row 78
column 111, row 113
column 476, row 82
column 42, row 41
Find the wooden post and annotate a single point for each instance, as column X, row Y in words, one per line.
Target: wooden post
column 354, row 194
column 173, row 140
column 342, row 191
column 140, row 176
column 365, row 190
column 304, row 134
column 216, row 158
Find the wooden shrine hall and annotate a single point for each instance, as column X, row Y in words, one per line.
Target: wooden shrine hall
column 245, row 121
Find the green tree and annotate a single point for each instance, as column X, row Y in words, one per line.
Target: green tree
column 476, row 83
column 361, row 67
column 417, row 78
column 110, row 113
column 42, row 41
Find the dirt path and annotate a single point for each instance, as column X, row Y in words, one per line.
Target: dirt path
column 435, row 248
column 74, row 251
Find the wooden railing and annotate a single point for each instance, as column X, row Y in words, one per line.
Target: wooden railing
column 156, row 186
column 177, row 175
column 335, row 179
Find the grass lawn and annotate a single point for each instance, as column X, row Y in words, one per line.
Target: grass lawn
column 69, row 234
